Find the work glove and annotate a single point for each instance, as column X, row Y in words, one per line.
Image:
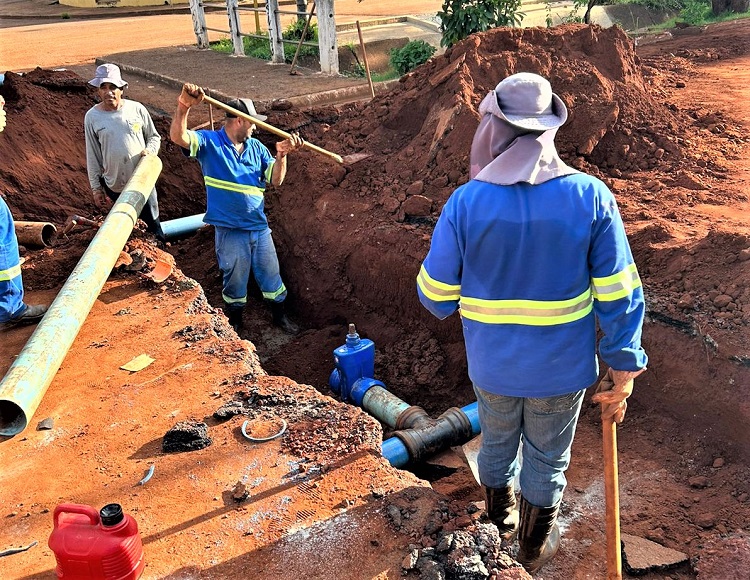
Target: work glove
column 191, row 95
column 613, row 391
column 288, row 145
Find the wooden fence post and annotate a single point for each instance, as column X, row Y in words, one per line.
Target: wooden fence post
column 274, row 32
column 327, row 44
column 199, row 23
column 233, row 13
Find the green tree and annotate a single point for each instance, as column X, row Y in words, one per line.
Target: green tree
column 460, row 18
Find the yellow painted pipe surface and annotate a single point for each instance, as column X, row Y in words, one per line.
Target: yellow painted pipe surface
column 26, row 382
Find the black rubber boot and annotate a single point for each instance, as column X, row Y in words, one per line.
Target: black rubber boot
column 501, row 509
column 33, row 314
column 235, row 318
column 538, row 535
column 281, row 320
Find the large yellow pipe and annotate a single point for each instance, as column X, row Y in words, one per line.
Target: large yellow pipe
column 25, row 383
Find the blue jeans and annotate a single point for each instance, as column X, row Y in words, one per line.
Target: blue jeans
column 242, row 251
column 11, row 285
column 546, row 426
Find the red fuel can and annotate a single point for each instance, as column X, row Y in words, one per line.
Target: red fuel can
column 91, row 545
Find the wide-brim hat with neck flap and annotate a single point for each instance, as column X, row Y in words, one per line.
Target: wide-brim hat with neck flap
column 108, row 73
column 245, row 106
column 526, row 101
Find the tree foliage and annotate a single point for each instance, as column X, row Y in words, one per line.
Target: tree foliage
column 460, row 18
column 411, row 55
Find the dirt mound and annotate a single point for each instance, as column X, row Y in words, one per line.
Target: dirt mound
column 43, row 174
column 352, row 242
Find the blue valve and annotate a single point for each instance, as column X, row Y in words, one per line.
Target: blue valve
column 355, row 365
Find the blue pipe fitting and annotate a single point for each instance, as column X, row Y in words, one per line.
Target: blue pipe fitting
column 355, row 365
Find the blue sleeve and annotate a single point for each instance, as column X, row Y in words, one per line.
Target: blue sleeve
column 618, row 294
column 439, row 279
column 197, row 144
column 266, row 162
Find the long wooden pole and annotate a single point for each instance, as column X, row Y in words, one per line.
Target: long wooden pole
column 302, row 38
column 271, row 128
column 612, row 500
column 364, row 57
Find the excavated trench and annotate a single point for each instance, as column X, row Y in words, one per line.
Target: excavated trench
column 350, row 240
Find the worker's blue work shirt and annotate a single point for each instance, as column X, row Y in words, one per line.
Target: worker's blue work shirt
column 235, row 182
column 11, row 286
column 532, row 269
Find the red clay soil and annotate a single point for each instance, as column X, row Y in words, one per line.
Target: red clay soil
column 664, row 125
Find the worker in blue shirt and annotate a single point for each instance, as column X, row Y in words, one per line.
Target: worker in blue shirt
column 533, row 253
column 13, row 310
column 236, row 168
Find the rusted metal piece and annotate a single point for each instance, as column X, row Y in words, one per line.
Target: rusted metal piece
column 35, row 234
column 75, row 220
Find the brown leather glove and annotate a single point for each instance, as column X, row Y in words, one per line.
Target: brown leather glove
column 613, row 391
column 191, row 95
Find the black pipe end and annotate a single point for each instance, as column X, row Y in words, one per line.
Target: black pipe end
column 12, row 418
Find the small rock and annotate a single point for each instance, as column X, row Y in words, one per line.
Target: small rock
column 718, row 462
column 410, row 561
column 417, row 206
column 699, row 481
column 686, row 302
column 415, row 188
column 186, row 436
column 240, row 493
column 45, row 424
column 706, row 520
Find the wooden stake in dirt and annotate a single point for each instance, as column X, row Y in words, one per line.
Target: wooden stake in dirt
column 302, row 38
column 612, row 499
column 364, row 57
column 270, row 128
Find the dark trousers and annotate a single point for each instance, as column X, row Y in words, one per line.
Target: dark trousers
column 149, row 214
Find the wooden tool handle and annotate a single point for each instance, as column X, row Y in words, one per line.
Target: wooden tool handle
column 612, row 499
column 270, row 128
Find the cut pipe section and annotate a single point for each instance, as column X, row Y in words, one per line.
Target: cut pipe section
column 28, row 378
column 183, row 226
column 35, row 234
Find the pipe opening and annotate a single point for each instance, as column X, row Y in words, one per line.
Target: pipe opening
column 12, row 418
column 49, row 232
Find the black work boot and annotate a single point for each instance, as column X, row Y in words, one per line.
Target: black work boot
column 538, row 535
column 281, row 320
column 235, row 318
column 33, row 314
column 501, row 509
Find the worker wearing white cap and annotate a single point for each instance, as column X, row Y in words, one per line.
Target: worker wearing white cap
column 118, row 133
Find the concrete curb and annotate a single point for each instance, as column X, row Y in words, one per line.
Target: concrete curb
column 335, row 96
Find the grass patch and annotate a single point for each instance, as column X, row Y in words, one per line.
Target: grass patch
column 261, row 49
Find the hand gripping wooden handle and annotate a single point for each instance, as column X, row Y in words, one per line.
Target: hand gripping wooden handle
column 270, row 128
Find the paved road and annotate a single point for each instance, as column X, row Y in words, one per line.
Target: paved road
column 57, row 43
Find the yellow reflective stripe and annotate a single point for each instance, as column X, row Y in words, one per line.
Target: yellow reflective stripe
column 231, row 186
column 273, row 295
column 229, row 300
column 527, row 312
column 437, row 291
column 269, row 171
column 10, row 273
column 192, row 143
column 617, row 285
